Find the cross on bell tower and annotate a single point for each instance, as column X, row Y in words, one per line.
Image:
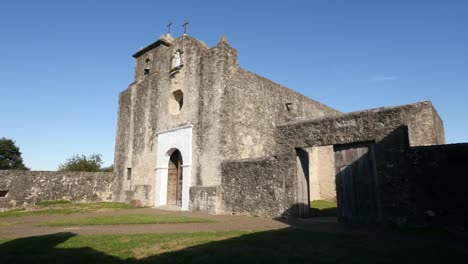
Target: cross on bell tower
column 169, row 27
column 185, row 26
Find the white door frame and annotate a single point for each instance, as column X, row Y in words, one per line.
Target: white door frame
column 167, row 142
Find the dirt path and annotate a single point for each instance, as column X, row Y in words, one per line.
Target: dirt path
column 16, row 227
column 24, row 226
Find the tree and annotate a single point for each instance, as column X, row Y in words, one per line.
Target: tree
column 10, row 156
column 108, row 169
column 82, row 163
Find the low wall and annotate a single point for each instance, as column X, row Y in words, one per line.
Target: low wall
column 392, row 130
column 205, row 199
column 424, row 127
column 28, row 187
column 261, row 187
column 438, row 179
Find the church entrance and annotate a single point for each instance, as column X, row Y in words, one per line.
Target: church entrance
column 174, row 179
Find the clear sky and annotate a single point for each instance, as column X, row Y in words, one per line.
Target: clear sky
column 63, row 63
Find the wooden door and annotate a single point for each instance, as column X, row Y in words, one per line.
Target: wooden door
column 174, row 179
column 356, row 183
column 302, row 183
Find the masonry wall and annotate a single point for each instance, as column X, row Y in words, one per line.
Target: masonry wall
column 438, row 178
column 216, row 67
column 259, row 187
column 25, row 188
column 391, row 129
column 252, row 108
column 368, row 125
column 438, row 125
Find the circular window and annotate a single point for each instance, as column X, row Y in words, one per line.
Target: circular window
column 176, row 101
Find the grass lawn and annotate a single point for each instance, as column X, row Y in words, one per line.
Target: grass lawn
column 64, row 207
column 126, row 219
column 323, row 208
column 279, row 246
column 322, row 204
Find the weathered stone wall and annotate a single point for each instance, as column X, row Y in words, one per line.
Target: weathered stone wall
column 439, row 131
column 28, row 187
column 392, row 129
column 242, row 110
column 216, row 67
column 252, row 108
column 262, row 187
column 438, row 179
column 368, row 125
column 205, row 199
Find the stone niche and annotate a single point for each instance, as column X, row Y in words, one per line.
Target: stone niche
column 176, row 101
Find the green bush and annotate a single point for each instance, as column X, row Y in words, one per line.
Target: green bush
column 90, row 163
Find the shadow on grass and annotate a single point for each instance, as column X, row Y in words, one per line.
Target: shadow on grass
column 42, row 249
column 279, row 246
column 331, row 212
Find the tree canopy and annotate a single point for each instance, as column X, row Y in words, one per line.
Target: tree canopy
column 91, row 163
column 10, row 159
column 10, row 156
column 108, row 169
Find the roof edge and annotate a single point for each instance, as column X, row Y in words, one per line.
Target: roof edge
column 151, row 46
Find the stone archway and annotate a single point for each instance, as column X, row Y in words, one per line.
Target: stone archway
column 170, row 144
column 174, row 179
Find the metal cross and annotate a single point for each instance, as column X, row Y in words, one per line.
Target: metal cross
column 185, row 26
column 169, row 26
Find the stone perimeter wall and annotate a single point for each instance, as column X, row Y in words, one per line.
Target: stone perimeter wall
column 268, row 187
column 260, row 187
column 25, row 188
column 369, row 125
column 438, row 178
column 393, row 130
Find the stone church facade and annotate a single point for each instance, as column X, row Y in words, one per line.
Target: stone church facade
column 198, row 103
column 197, row 132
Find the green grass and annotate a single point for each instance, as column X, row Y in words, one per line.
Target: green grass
column 23, row 212
column 278, row 246
column 104, row 205
column 52, row 202
column 322, row 204
column 323, row 208
column 127, row 219
column 63, row 207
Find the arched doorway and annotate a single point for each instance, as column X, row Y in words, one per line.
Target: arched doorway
column 174, row 179
column 173, row 143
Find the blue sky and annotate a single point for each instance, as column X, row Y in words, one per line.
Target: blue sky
column 63, row 63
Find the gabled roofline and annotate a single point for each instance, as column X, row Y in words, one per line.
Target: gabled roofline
column 151, row 46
